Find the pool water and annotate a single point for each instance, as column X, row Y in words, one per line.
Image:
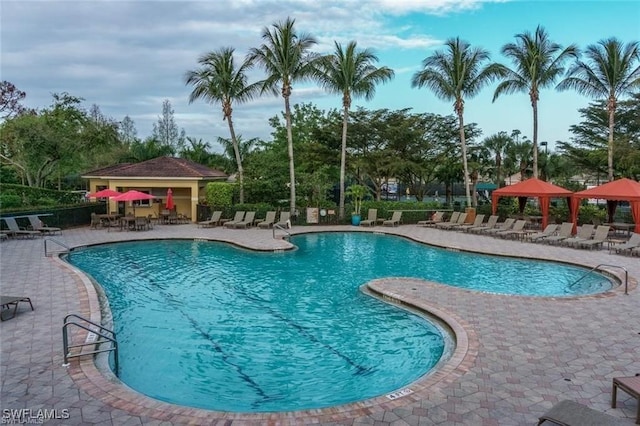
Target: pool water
column 209, row 325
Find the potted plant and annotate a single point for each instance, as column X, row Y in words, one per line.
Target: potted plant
column 357, row 194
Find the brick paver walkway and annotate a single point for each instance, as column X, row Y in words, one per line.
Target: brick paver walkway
column 517, row 356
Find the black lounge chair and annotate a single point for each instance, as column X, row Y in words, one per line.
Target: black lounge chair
column 8, row 301
column 570, row 413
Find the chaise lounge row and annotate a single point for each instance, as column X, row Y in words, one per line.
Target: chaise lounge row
column 244, row 220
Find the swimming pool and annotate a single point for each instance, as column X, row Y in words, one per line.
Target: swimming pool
column 212, row 326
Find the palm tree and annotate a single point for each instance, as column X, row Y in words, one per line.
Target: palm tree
column 351, row 73
column 609, row 73
column 453, row 74
column 497, row 146
column 538, row 63
column 220, row 80
column 286, row 59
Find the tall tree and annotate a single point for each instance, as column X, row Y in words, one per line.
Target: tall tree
column 610, row 72
column 286, row 58
column 351, row 73
column 219, row 79
column 454, row 73
column 497, row 145
column 127, row 130
column 538, row 63
column 165, row 131
column 10, row 97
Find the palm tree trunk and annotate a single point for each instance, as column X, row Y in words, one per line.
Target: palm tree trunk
column 465, row 166
column 236, row 152
column 343, row 160
column 612, row 111
column 535, row 140
column 499, row 170
column 292, row 172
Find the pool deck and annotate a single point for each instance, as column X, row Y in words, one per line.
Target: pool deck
column 517, row 356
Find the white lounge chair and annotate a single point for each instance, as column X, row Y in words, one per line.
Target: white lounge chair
column 395, row 219
column 268, row 221
column 372, row 218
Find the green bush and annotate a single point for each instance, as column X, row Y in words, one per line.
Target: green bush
column 10, row 201
column 219, row 194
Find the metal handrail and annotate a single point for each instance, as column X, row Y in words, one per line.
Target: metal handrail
column 280, row 228
column 626, row 275
column 103, row 332
column 53, row 240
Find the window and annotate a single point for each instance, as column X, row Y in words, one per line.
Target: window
column 143, row 203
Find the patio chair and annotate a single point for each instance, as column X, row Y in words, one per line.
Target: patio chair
column 633, row 242
column 239, row 216
column 516, row 231
column 504, row 226
column 452, row 219
column 462, row 217
column 476, row 222
column 395, row 219
column 565, row 232
column 600, row 236
column 14, row 229
column 547, row 232
column 584, row 233
column 268, row 221
column 214, row 220
column 630, row 385
column 285, row 220
column 8, row 301
column 247, row 222
column 570, row 413
column 372, row 218
column 436, row 218
column 38, row 225
column 95, row 221
column 491, row 223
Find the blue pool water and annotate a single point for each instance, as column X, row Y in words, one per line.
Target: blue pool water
column 210, row 325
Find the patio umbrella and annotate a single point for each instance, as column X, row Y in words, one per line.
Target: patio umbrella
column 105, row 193
column 133, row 195
column 169, row 204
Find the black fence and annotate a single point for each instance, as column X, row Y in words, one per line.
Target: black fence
column 60, row 217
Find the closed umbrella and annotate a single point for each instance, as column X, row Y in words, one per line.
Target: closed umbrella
column 133, row 195
column 169, row 204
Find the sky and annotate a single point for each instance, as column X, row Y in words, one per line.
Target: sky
column 127, row 57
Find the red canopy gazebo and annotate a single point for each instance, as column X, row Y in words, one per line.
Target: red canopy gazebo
column 618, row 190
column 533, row 187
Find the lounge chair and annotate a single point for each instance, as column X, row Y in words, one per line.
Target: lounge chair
column 247, row 222
column 395, row 219
column 8, row 301
column 633, row 242
column 214, row 220
column 268, row 221
column 516, row 231
column 565, row 232
column 584, row 233
column 491, row 223
column 38, row 225
column 237, row 218
column 476, row 222
column 372, row 218
column 630, row 385
column 452, row 219
column 504, row 226
column 285, row 220
column 570, row 413
column 462, row 217
column 436, row 218
column 547, row 232
column 600, row 236
column 14, row 229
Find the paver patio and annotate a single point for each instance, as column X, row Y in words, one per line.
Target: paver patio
column 521, row 354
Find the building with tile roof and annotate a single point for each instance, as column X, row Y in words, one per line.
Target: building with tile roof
column 186, row 179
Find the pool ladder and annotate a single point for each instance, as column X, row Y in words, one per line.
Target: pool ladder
column 53, row 240
column 626, row 275
column 276, row 226
column 96, row 333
